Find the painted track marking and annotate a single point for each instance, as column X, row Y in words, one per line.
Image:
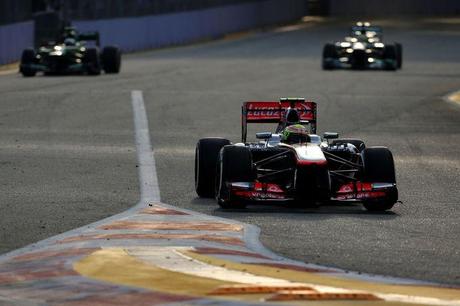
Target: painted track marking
column 153, row 256
column 453, row 97
column 148, row 179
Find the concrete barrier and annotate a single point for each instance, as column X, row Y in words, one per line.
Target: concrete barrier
column 13, row 39
column 154, row 31
column 138, row 33
column 358, row 8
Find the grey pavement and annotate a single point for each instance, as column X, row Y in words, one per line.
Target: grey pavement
column 67, row 154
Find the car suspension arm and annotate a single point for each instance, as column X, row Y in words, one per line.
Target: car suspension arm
column 274, row 173
column 342, row 176
column 337, row 159
column 270, row 159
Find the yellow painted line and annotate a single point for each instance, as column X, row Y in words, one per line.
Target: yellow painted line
column 118, row 267
column 257, row 289
column 304, row 23
column 331, row 281
column 9, row 68
column 298, row 295
column 454, row 97
column 307, row 18
column 238, row 35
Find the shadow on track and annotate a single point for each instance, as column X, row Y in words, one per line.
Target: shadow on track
column 329, row 210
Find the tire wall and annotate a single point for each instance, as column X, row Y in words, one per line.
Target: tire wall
column 155, row 31
column 357, row 8
column 13, row 39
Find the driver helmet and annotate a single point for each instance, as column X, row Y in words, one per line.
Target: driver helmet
column 70, row 42
column 70, row 32
column 296, row 133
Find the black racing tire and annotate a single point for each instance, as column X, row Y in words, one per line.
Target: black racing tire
column 399, row 54
column 206, row 154
column 234, row 165
column 329, row 51
column 111, row 59
column 28, row 58
column 378, row 166
column 358, row 143
column 390, row 56
column 92, row 61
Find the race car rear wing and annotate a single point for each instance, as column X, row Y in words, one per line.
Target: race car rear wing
column 273, row 112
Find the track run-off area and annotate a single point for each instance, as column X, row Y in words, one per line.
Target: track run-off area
column 68, row 152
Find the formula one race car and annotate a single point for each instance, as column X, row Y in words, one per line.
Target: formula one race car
column 71, row 55
column 293, row 164
column 362, row 50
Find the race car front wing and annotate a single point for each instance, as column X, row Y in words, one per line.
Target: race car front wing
column 354, row 191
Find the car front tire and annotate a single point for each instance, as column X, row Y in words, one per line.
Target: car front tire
column 206, row 154
column 234, row 165
column 378, row 166
column 28, row 58
column 92, row 61
column 111, row 59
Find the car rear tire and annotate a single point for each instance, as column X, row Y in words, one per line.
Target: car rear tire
column 234, row 165
column 206, row 154
column 28, row 58
column 329, row 53
column 390, row 56
column 111, row 59
column 378, row 166
column 399, row 52
column 358, row 143
column 92, row 61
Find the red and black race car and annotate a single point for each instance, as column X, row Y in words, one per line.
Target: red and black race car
column 293, row 164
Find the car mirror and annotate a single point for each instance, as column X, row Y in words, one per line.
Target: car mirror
column 264, row 135
column 331, row 135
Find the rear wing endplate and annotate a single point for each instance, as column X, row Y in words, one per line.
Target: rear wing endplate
column 273, row 112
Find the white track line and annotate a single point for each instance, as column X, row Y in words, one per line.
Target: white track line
column 148, row 179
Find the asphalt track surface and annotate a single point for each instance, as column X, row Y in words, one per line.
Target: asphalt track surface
column 67, row 153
